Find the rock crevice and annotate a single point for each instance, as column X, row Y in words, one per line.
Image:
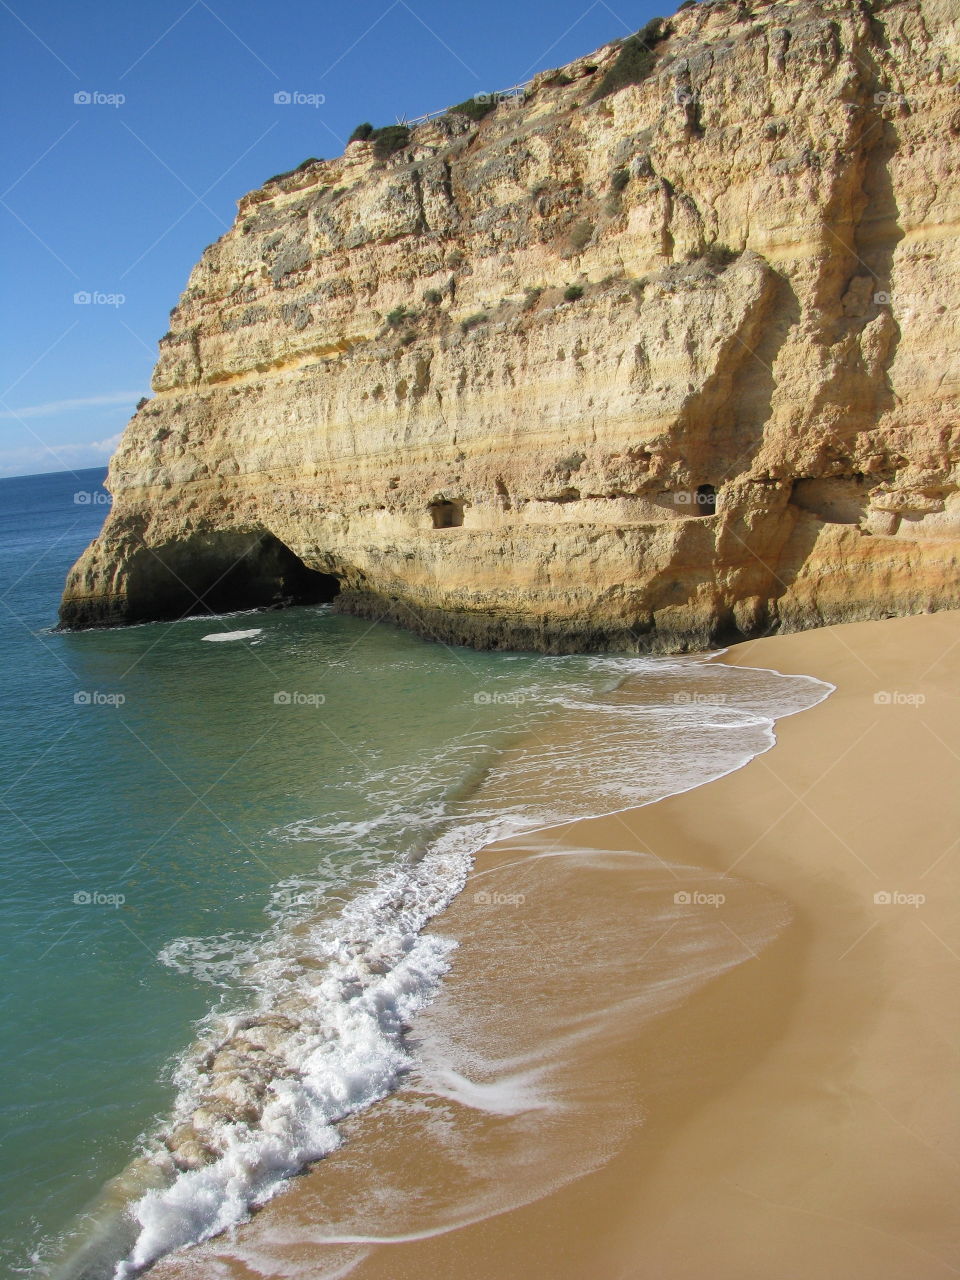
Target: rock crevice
column 485, row 387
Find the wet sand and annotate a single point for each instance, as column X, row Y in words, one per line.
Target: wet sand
column 712, row 1037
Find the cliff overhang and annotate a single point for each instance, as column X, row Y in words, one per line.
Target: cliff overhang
column 648, row 369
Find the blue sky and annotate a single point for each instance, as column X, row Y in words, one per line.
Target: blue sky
column 117, row 199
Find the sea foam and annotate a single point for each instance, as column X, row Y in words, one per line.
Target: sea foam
column 320, row 1032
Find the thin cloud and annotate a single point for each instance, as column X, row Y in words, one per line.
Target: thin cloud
column 65, row 406
column 62, row 457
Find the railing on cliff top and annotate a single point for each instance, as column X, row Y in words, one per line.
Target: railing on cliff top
column 513, row 94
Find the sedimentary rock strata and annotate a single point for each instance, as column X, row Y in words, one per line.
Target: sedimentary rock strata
column 644, row 370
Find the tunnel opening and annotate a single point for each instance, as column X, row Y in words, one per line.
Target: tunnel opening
column 446, row 514
column 222, row 573
column 706, row 500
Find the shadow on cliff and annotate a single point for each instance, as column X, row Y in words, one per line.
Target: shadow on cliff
column 751, row 401
column 221, row 572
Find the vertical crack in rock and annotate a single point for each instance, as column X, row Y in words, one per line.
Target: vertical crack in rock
column 696, row 341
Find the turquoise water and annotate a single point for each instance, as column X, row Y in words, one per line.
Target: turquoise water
column 222, row 841
column 182, row 811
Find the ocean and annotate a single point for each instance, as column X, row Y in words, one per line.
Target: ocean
column 223, row 840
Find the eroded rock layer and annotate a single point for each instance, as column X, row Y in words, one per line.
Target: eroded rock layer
column 670, row 366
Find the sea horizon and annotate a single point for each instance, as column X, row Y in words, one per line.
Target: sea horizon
column 309, row 810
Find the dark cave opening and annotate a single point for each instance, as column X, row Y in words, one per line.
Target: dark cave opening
column 706, row 500
column 222, row 573
column 447, row 515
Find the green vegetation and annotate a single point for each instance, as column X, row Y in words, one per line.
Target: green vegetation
column 717, row 256
column 618, row 180
column 532, row 297
column 388, row 140
column 433, row 297
column 476, row 108
column 471, row 322
column 396, row 317
column 580, row 234
column 573, row 293
column 304, row 164
column 391, row 138
column 635, row 60
column 573, row 463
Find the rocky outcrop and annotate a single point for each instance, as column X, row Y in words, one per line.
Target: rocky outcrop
column 643, row 370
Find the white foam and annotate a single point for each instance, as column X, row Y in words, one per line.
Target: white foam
column 220, row 960
column 508, row 1095
column 334, row 995
column 370, row 970
column 219, row 637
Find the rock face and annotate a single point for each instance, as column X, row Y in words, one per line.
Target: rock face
column 380, row 385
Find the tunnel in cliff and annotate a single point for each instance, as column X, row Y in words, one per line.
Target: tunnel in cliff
column 221, row 573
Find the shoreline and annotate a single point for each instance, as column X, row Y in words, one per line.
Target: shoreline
column 710, row 1111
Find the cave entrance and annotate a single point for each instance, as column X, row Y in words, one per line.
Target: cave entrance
column 222, row 573
column 446, row 514
column 706, row 500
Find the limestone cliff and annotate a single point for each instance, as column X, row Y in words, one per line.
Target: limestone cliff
column 647, row 368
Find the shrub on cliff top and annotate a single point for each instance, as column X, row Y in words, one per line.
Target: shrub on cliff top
column 635, row 60
column 476, row 108
column 361, row 133
column 388, row 140
column 304, row 164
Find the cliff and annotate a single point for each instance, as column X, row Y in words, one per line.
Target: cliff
column 645, row 368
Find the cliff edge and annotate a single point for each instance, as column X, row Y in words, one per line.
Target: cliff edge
column 640, row 365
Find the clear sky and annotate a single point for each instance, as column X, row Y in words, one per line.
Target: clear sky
column 114, row 193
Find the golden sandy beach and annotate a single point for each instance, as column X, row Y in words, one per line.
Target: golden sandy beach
column 717, row 1035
